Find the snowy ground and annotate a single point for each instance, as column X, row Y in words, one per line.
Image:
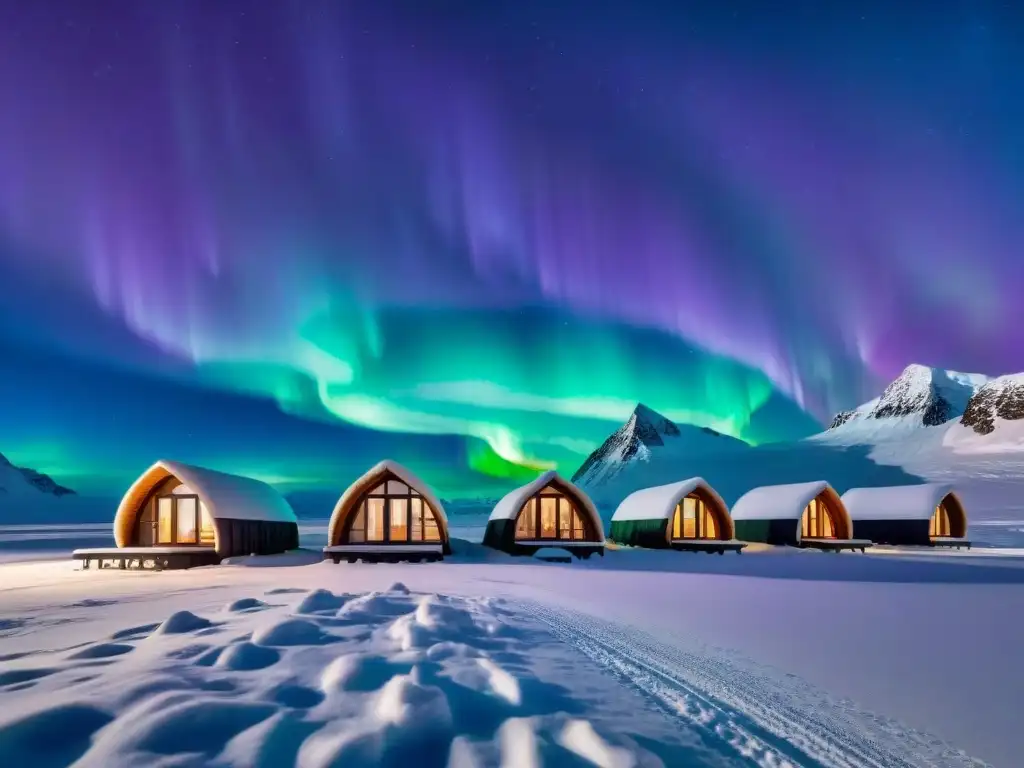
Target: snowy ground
column 642, row 659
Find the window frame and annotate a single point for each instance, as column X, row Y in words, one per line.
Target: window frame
column 428, row 517
column 532, row 511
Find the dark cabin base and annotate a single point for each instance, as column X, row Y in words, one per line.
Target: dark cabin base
column 710, row 546
column 835, row 545
column 139, row 562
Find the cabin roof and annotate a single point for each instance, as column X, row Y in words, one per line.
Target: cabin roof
column 895, row 502
column 777, row 502
column 659, row 502
column 509, row 505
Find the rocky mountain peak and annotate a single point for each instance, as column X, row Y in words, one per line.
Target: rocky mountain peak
column 933, row 395
column 649, row 426
column 645, row 433
column 1000, row 398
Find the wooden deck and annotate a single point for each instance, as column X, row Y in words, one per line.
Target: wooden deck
column 147, row 558
column 835, row 545
column 385, row 553
column 946, row 541
column 711, row 546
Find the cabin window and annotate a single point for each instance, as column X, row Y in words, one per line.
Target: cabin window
column 939, row 525
column 393, row 513
column 357, row 533
column 399, row 519
column 550, row 515
column 817, row 521
column 375, row 519
column 694, row 519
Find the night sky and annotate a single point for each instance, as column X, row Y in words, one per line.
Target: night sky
column 292, row 238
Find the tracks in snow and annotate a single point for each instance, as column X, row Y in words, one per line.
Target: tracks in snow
column 770, row 721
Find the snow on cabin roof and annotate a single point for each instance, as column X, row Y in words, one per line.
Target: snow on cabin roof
column 230, row 497
column 896, row 502
column 402, row 473
column 659, row 502
column 509, row 505
column 777, row 502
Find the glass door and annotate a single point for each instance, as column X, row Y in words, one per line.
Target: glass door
column 165, row 520
column 187, row 514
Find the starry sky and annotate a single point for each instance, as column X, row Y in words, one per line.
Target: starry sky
column 292, row 238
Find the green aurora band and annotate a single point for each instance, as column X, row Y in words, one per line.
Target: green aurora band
column 530, row 389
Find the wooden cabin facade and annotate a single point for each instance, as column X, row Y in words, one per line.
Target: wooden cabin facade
column 926, row 515
column 179, row 516
column 688, row 515
column 388, row 514
column 808, row 515
column 548, row 512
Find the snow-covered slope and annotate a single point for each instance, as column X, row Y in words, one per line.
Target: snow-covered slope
column 22, row 480
column 993, row 420
column 920, row 396
column 648, row 436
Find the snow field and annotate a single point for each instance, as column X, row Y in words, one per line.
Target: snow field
column 317, row 679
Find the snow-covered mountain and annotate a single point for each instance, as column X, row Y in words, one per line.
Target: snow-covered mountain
column 1000, row 400
column 920, row 396
column 993, row 421
column 22, row 480
column 645, row 435
column 927, row 410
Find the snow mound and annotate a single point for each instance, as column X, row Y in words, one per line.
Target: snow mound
column 51, row 737
column 247, row 656
column 102, row 651
column 321, row 601
column 292, row 632
column 373, row 604
column 359, row 672
column 182, row 622
column 420, row 679
column 246, row 604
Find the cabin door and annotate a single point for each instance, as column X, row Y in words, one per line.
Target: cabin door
column 177, row 520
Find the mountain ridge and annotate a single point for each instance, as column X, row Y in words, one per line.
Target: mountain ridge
column 31, row 478
column 923, row 397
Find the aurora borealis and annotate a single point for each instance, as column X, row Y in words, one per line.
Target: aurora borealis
column 293, row 238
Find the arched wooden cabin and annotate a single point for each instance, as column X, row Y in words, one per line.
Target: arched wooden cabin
column 178, row 516
column 548, row 512
column 688, row 515
column 930, row 514
column 797, row 515
column 388, row 514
